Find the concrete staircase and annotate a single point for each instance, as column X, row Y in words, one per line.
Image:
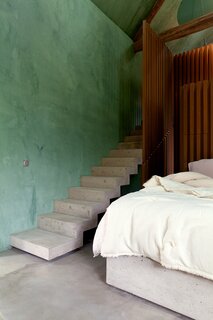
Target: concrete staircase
column 62, row 230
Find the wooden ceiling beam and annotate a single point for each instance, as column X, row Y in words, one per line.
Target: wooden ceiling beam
column 195, row 25
column 152, row 14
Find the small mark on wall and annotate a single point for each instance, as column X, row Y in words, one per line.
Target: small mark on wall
column 26, row 163
column 40, row 148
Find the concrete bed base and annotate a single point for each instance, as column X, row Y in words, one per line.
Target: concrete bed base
column 184, row 293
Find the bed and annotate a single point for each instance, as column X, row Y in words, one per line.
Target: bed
column 158, row 243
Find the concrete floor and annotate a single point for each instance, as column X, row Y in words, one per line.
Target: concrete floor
column 70, row 288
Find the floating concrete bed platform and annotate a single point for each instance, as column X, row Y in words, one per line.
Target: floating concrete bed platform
column 179, row 291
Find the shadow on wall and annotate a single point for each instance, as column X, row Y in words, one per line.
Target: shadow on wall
column 135, row 183
column 130, row 72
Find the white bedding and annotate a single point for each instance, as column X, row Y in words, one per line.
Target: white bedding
column 169, row 221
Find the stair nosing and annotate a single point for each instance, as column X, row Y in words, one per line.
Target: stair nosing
column 49, row 216
column 93, row 188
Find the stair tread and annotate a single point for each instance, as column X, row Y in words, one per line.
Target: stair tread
column 132, row 143
column 105, row 177
column 94, row 189
column 101, row 178
column 130, row 150
column 85, row 208
column 81, row 202
column 115, row 167
column 121, row 158
column 45, row 244
column 43, row 238
column 135, row 136
column 65, row 217
column 125, row 153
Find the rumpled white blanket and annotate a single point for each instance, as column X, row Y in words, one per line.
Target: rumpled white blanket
column 169, row 221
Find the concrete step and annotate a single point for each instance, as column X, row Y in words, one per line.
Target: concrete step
column 112, row 172
column 44, row 244
column 132, row 163
column 102, row 182
column 136, row 132
column 135, row 138
column 94, row 194
column 80, row 208
column 130, row 145
column 127, row 153
column 65, row 224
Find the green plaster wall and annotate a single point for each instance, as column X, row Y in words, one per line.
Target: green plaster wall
column 66, row 86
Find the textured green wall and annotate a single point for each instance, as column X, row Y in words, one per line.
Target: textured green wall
column 66, row 87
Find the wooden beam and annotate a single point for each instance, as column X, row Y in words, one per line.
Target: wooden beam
column 158, row 4
column 195, row 25
column 150, row 17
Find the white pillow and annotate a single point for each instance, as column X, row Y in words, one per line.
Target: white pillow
column 185, row 176
column 204, row 183
column 204, row 166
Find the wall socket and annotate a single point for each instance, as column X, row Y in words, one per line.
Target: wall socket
column 26, row 163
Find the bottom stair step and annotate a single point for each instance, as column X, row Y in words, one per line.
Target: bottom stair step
column 44, row 244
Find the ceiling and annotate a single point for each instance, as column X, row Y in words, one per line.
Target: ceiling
column 128, row 15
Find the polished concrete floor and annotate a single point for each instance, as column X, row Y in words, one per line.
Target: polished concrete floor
column 70, row 288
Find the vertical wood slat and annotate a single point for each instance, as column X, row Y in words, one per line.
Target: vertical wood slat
column 192, row 66
column 206, row 63
column 205, row 115
column 196, row 119
column 191, row 121
column 195, row 65
column 145, row 103
column 157, row 105
column 210, row 61
column 184, row 128
column 201, row 62
column 211, row 118
column 181, row 136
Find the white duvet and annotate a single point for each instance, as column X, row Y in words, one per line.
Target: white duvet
column 170, row 221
